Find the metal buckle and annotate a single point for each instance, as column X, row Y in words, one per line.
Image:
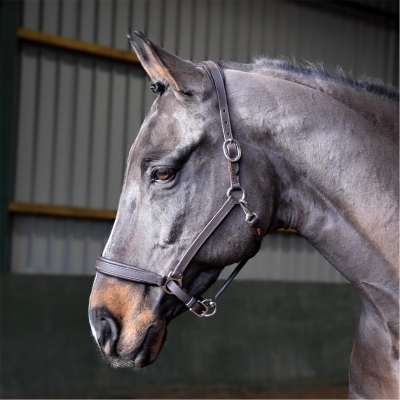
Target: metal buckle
column 226, row 151
column 169, row 278
column 207, row 304
column 245, row 208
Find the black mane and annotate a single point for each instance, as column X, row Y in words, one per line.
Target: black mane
column 317, row 70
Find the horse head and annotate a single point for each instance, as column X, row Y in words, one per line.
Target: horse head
column 176, row 180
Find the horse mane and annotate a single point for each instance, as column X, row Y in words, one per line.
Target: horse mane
column 317, row 70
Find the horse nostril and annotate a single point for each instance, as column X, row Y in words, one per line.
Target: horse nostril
column 106, row 330
column 108, row 335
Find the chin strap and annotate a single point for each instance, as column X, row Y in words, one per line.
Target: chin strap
column 172, row 284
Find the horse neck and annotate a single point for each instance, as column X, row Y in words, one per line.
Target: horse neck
column 380, row 110
column 335, row 174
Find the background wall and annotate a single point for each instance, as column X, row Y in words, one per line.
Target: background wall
column 268, row 340
column 66, row 134
column 78, row 114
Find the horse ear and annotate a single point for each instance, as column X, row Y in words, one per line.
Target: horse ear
column 183, row 76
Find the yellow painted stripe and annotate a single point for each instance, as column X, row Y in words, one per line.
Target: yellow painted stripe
column 76, row 45
column 287, row 230
column 61, row 211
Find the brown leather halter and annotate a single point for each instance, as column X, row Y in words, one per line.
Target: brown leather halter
column 172, row 284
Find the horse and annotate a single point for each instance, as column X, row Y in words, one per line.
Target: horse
column 319, row 154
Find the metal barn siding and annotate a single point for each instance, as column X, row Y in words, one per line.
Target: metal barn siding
column 57, row 246
column 79, row 114
column 287, row 257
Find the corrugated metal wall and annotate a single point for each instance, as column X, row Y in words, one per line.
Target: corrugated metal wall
column 78, row 114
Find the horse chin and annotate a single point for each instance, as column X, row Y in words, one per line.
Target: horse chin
column 151, row 346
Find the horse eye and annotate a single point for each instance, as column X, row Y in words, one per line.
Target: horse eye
column 163, row 174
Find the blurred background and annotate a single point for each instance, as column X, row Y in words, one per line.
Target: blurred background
column 73, row 97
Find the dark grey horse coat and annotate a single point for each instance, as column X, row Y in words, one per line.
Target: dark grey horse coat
column 320, row 155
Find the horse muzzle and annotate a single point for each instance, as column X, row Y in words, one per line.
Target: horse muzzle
column 135, row 344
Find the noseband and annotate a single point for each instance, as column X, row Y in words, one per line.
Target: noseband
column 172, row 283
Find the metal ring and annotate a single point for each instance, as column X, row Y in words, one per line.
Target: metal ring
column 169, row 278
column 209, row 303
column 228, row 193
column 226, row 152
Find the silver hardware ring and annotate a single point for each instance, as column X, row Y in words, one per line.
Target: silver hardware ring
column 209, row 303
column 169, row 278
column 228, row 193
column 226, row 151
